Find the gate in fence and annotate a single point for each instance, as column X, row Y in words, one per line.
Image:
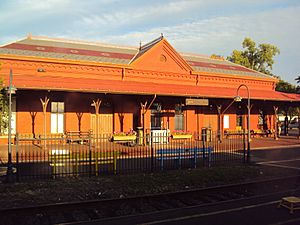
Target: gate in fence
column 82, row 153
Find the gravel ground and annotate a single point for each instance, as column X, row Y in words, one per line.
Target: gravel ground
column 119, row 186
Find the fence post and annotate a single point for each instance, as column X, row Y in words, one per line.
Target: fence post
column 209, row 156
column 17, row 156
column 195, row 156
column 244, row 145
column 115, row 156
column 90, row 154
column 152, row 155
column 179, row 157
column 203, row 149
column 76, row 154
column 96, row 155
column 54, row 164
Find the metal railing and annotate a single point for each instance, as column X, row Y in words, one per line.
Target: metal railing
column 84, row 153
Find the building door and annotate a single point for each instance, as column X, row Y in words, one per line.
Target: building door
column 210, row 121
column 57, row 117
column 179, row 118
column 156, row 116
column 239, row 119
column 104, row 125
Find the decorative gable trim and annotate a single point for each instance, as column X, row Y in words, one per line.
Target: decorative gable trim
column 161, row 51
column 144, row 48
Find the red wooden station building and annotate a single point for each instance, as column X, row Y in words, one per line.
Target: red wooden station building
column 64, row 85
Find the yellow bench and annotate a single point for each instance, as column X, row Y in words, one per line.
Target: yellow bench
column 63, row 157
column 257, row 132
column 79, row 137
column 261, row 133
column 292, row 203
column 229, row 132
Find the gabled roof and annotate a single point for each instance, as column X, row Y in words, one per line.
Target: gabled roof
column 159, row 55
column 73, row 50
column 146, row 47
column 53, row 48
column 201, row 63
column 149, row 56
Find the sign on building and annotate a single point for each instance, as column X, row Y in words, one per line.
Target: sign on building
column 196, row 101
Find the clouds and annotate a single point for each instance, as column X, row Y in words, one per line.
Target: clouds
column 224, row 33
column 199, row 26
column 137, row 16
column 34, row 5
column 19, row 10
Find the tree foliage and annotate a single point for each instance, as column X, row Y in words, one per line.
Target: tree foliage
column 284, row 86
column 259, row 58
column 3, row 111
column 3, row 108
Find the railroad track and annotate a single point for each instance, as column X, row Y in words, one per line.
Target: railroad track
column 100, row 209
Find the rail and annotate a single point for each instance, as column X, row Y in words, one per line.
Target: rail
column 108, row 208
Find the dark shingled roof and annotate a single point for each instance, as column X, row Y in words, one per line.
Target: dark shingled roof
column 72, row 50
column 208, row 64
column 143, row 49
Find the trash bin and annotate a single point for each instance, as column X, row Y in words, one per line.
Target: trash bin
column 140, row 135
column 206, row 134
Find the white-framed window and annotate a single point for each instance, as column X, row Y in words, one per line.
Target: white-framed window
column 226, row 122
column 57, row 117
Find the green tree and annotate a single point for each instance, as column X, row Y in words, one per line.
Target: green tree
column 286, row 87
column 259, row 58
column 4, row 112
column 3, row 108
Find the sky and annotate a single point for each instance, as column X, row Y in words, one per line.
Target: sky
column 192, row 26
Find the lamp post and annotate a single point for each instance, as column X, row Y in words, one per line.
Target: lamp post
column 239, row 99
column 11, row 90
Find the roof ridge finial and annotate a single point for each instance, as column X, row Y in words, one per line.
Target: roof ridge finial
column 161, row 35
column 29, row 35
column 140, row 45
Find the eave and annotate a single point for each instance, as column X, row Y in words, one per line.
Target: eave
column 140, row 88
